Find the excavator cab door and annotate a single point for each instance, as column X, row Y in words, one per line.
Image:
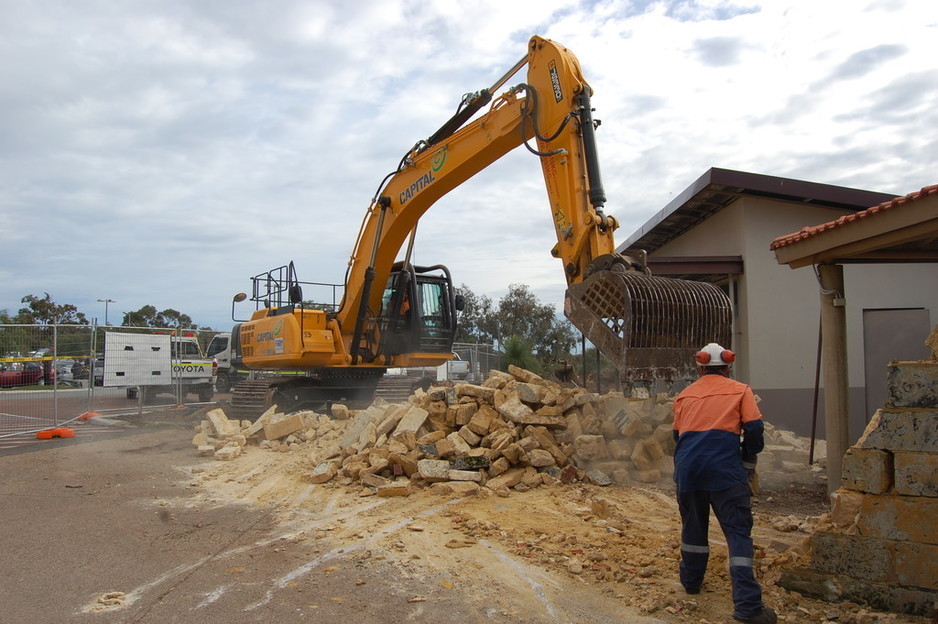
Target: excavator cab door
column 418, row 312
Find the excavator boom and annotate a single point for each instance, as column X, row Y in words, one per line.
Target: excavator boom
column 395, row 314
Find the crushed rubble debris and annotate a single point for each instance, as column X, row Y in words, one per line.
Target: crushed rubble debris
column 515, row 431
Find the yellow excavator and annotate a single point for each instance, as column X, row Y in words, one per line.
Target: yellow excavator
column 395, row 314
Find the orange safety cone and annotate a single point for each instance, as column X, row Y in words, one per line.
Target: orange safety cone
column 87, row 416
column 57, row 432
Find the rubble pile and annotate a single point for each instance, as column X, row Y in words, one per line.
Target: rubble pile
column 515, row 431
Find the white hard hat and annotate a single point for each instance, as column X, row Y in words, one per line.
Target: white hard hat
column 714, row 355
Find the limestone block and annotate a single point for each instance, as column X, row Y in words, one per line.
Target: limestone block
column 598, row 477
column 915, row 565
column 499, row 440
column 912, row 384
column 854, row 555
column 525, row 376
column 899, row 518
column 540, row 458
column 499, row 466
column 323, row 472
column 529, row 393
column 515, row 454
column 480, row 422
column 432, row 437
column 459, row 444
column 916, row 474
column 472, row 390
column 275, row 430
column 845, row 509
column 407, row 464
column 546, row 441
column 867, row 470
column 392, row 417
column 591, row 447
column 613, row 403
column 646, row 453
column 228, row 452
column 394, row 489
column 340, row 412
column 224, row 427
column 464, row 413
column 508, row 479
column 897, row 430
column 445, row 448
column 354, row 428
column 465, row 475
column 433, row 469
column 471, row 437
column 621, row 448
column 455, row 488
column 883, row 596
column 514, row 410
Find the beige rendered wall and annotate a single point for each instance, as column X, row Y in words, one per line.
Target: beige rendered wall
column 777, row 308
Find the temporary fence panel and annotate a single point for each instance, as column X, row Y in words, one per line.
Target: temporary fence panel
column 51, row 375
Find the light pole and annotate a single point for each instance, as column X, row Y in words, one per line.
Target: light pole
column 106, row 302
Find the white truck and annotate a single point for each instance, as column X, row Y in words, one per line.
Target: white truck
column 153, row 364
column 229, row 374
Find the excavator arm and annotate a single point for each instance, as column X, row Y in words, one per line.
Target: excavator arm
column 648, row 326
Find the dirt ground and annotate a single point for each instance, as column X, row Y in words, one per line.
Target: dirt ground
column 575, row 552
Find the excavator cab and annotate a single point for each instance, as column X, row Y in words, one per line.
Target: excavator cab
column 418, row 310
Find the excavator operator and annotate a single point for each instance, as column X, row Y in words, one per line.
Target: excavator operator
column 712, row 469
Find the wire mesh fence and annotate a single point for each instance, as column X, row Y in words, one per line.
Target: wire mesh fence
column 53, row 374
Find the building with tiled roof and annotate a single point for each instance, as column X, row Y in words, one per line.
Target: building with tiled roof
column 720, row 230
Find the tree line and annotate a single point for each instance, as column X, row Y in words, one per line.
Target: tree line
column 45, row 311
column 525, row 331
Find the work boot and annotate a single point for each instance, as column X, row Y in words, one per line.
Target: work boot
column 692, row 589
column 766, row 616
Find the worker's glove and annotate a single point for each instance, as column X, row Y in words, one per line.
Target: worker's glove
column 749, row 463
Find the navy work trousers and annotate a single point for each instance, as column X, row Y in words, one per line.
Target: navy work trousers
column 734, row 513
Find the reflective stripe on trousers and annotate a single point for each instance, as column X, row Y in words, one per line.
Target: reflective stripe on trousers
column 732, row 510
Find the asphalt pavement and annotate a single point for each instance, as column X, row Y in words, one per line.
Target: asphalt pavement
column 109, row 529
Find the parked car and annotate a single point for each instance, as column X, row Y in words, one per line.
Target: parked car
column 23, row 374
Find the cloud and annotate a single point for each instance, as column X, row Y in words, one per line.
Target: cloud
column 719, row 51
column 163, row 153
column 862, row 63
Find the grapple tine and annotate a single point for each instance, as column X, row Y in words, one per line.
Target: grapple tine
column 649, row 326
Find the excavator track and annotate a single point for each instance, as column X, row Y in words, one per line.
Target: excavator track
column 251, row 398
column 649, row 326
column 352, row 387
column 397, row 389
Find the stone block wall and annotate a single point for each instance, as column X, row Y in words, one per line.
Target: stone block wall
column 879, row 544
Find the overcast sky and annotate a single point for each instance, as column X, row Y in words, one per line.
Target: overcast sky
column 162, row 152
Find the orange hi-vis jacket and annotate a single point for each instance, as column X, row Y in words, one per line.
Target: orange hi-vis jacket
column 710, row 416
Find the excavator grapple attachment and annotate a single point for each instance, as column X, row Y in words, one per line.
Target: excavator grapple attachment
column 649, row 326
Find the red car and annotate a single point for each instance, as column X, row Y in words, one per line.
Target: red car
column 23, row 374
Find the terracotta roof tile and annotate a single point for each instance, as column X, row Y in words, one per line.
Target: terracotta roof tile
column 815, row 230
